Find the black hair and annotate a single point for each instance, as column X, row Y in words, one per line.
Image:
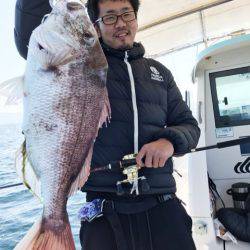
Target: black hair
column 93, row 10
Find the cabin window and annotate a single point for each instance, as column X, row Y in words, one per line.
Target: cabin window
column 231, row 97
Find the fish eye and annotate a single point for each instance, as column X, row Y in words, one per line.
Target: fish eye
column 87, row 35
column 74, row 6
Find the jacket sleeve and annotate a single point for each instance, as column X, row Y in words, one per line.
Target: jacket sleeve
column 28, row 15
column 181, row 127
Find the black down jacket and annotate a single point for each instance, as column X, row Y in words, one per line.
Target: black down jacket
column 161, row 114
column 161, row 111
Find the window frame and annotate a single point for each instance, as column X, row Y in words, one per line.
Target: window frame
column 219, row 123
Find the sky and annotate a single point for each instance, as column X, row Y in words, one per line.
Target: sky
column 11, row 63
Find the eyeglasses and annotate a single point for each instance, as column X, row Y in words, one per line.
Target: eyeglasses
column 113, row 18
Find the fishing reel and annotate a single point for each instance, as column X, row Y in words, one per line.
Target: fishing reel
column 130, row 169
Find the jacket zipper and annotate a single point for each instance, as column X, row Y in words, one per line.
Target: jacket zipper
column 135, row 110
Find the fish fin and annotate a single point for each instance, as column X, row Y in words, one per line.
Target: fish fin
column 28, row 241
column 41, row 237
column 48, row 60
column 25, row 170
column 44, row 58
column 106, row 110
column 13, row 90
column 62, row 56
column 43, row 47
column 83, row 175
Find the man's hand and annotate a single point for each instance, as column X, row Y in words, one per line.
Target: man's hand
column 155, row 153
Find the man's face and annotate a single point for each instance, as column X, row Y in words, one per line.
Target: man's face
column 120, row 35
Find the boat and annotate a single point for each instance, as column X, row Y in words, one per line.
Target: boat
column 221, row 78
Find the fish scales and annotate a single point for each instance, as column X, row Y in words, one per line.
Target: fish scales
column 65, row 102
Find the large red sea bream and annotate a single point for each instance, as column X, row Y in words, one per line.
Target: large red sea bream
column 65, row 102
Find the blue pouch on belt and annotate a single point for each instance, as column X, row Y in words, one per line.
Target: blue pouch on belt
column 91, row 210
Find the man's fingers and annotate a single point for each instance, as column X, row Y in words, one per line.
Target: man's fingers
column 140, row 156
column 156, row 161
column 155, row 154
column 162, row 162
column 148, row 160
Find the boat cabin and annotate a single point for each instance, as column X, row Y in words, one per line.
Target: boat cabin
column 222, row 88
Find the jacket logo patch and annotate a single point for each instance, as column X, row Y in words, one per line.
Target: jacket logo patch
column 155, row 75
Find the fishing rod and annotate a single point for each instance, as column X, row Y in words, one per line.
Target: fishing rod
column 11, row 185
column 224, row 144
column 130, row 160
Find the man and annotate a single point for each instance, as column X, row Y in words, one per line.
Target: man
column 150, row 118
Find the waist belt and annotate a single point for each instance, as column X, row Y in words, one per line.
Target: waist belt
column 110, row 210
column 124, row 207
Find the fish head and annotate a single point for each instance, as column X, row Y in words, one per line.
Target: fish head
column 67, row 35
column 76, row 23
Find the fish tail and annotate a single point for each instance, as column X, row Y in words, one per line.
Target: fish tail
column 41, row 237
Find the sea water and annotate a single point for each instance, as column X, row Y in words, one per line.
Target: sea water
column 19, row 209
